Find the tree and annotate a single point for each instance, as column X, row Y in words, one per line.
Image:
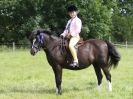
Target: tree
column 14, row 14
column 100, row 18
column 95, row 15
column 123, row 21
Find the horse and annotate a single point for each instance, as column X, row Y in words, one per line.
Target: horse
column 101, row 54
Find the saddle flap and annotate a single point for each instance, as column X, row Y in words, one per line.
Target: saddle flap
column 65, row 43
column 80, row 42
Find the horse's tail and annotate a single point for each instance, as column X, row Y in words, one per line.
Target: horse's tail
column 113, row 55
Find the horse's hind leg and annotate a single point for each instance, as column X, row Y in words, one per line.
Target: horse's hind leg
column 98, row 74
column 108, row 76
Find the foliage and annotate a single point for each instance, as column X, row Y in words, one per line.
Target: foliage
column 101, row 18
column 123, row 21
column 123, row 28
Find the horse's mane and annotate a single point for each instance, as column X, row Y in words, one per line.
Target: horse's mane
column 38, row 31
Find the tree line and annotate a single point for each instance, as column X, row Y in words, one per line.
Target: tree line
column 102, row 19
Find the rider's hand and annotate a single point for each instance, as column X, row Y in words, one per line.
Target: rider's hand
column 68, row 36
column 62, row 36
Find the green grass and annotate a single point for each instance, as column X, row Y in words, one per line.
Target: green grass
column 23, row 76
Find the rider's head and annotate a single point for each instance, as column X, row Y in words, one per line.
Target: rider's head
column 72, row 11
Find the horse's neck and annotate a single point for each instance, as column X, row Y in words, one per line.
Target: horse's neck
column 52, row 41
column 55, row 38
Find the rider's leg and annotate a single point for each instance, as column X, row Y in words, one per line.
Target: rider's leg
column 72, row 43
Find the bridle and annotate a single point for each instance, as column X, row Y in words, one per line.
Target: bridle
column 40, row 40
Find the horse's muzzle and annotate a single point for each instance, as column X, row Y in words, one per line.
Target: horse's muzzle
column 33, row 52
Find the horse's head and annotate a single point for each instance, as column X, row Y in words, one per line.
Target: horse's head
column 37, row 41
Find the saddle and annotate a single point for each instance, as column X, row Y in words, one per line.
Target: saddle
column 65, row 43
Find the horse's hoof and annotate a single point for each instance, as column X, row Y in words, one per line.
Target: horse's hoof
column 58, row 94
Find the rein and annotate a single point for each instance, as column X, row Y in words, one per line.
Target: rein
column 63, row 48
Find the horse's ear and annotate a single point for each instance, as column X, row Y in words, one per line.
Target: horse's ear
column 28, row 37
column 38, row 32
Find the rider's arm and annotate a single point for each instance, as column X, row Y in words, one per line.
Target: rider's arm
column 65, row 33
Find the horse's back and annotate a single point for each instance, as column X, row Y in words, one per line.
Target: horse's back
column 96, row 44
column 92, row 50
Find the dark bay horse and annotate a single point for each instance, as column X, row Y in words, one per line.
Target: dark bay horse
column 101, row 54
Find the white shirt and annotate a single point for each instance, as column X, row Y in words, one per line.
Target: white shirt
column 75, row 27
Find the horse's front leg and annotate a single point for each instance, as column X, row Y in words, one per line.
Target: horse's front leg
column 58, row 78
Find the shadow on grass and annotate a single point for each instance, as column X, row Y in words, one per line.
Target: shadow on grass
column 32, row 91
column 87, row 86
column 42, row 90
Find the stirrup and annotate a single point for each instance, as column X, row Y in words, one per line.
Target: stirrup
column 74, row 64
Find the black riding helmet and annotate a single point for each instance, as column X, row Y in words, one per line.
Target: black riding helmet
column 72, row 8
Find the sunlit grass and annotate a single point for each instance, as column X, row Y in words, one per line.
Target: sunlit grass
column 23, row 76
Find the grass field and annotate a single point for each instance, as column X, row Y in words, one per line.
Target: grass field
column 23, row 76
